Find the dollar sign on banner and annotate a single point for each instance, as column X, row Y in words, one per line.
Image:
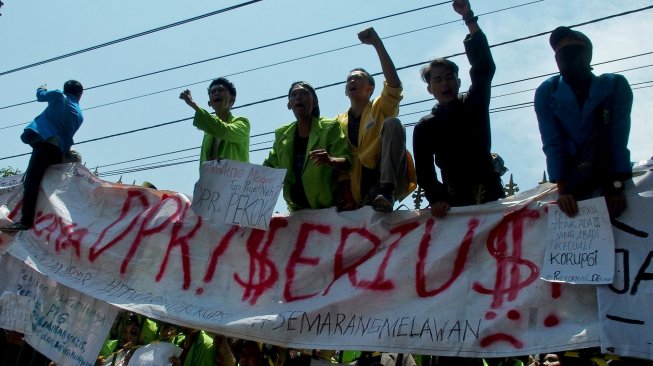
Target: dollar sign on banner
column 508, row 281
column 263, row 273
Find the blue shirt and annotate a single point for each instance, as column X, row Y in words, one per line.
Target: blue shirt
column 565, row 126
column 60, row 119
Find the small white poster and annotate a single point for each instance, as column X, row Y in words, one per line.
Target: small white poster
column 155, row 354
column 580, row 249
column 15, row 311
column 63, row 324
column 237, row 193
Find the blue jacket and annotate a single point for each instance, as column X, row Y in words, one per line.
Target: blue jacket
column 59, row 121
column 565, row 127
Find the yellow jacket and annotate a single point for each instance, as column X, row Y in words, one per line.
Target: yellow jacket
column 369, row 137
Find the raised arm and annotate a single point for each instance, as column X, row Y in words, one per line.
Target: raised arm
column 463, row 8
column 187, row 97
column 369, row 36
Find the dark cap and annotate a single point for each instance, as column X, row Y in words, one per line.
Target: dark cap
column 561, row 33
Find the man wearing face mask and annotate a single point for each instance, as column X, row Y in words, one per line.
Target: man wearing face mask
column 584, row 123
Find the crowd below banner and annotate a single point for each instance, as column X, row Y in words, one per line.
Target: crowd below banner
column 360, row 158
column 131, row 331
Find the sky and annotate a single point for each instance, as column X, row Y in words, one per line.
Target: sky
column 33, row 31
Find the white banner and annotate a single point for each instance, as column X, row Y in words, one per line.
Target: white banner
column 64, row 325
column 625, row 306
column 581, row 248
column 464, row 285
column 237, row 193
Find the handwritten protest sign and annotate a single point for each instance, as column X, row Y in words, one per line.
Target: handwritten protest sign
column 61, row 323
column 15, row 312
column 580, row 250
column 237, row 193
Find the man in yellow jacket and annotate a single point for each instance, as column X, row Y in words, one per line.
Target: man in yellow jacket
column 225, row 136
column 382, row 170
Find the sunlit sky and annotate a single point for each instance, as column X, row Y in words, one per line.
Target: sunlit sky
column 34, row 31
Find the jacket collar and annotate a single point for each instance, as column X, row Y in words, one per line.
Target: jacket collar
column 313, row 137
column 563, row 94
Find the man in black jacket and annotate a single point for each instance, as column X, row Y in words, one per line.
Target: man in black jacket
column 456, row 135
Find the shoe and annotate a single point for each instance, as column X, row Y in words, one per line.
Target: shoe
column 381, row 203
column 15, row 227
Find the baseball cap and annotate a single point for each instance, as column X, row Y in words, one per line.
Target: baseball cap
column 561, row 33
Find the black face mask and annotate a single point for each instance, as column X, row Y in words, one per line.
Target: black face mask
column 574, row 61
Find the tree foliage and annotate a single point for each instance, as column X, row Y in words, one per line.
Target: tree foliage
column 8, row 171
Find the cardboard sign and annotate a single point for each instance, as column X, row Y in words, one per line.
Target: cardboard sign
column 580, row 250
column 63, row 324
column 237, row 193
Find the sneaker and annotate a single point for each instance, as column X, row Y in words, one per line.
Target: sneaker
column 382, row 204
column 14, row 228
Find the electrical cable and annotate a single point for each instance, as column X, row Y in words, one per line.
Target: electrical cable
column 268, row 45
column 169, row 153
column 301, row 58
column 119, row 40
column 402, row 105
column 159, row 164
column 245, row 51
column 342, row 82
column 250, row 49
column 344, row 47
column 119, row 171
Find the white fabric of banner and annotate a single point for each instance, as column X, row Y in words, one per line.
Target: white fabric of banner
column 63, row 324
column 465, row 285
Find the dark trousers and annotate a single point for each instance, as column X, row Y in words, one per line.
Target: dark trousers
column 43, row 155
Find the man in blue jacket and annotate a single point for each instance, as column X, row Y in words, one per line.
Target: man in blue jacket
column 51, row 136
column 584, row 123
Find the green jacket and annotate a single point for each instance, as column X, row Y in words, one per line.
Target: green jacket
column 320, row 182
column 201, row 352
column 233, row 133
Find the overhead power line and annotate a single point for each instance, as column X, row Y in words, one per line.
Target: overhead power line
column 328, row 51
column 276, row 44
column 304, row 57
column 462, row 53
column 342, row 82
column 324, row 86
column 123, row 39
column 281, row 97
column 269, row 45
column 170, row 153
column 166, row 163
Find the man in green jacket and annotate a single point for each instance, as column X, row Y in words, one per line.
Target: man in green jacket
column 225, row 136
column 314, row 151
